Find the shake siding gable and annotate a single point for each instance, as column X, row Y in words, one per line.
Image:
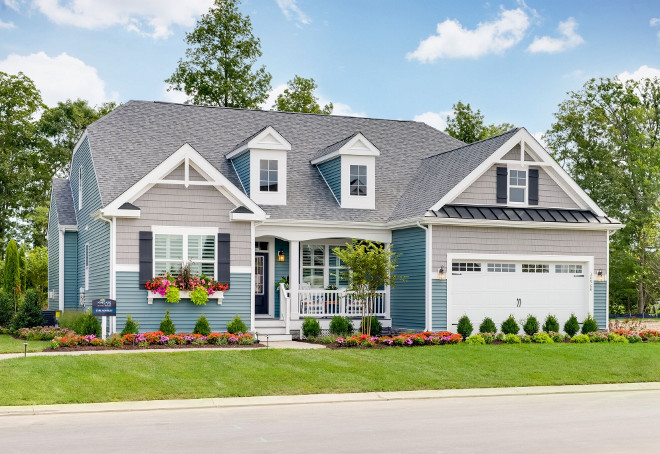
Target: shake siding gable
column 175, row 205
column 331, row 171
column 96, row 233
column 242, row 165
column 408, row 299
column 53, row 255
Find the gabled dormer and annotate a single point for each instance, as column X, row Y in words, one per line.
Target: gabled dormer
column 260, row 163
column 349, row 169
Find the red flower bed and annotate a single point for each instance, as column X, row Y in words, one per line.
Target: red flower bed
column 402, row 340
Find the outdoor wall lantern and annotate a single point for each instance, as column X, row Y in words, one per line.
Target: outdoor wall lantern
column 599, row 276
column 280, row 256
column 441, row 273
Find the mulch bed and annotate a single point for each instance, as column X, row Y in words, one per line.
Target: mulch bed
column 79, row 348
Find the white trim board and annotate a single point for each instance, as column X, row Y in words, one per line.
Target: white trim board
column 357, row 146
column 553, row 169
column 268, row 139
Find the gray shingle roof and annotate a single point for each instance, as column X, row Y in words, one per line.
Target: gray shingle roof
column 437, row 175
column 334, row 147
column 247, row 139
column 66, row 213
column 148, row 132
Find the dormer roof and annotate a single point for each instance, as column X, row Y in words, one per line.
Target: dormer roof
column 267, row 138
column 356, row 145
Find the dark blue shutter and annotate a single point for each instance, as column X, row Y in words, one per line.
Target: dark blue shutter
column 146, row 247
column 223, row 258
column 533, row 197
column 501, row 184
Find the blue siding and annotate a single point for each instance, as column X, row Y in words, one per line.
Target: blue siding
column 600, row 304
column 71, row 300
column 242, row 166
column 281, row 269
column 439, row 304
column 408, row 299
column 90, row 231
column 131, row 300
column 53, row 255
column 331, row 171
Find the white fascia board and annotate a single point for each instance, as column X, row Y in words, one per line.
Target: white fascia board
column 350, row 149
column 67, row 228
column 171, row 163
column 243, row 217
column 523, row 224
column 258, row 141
column 132, row 214
column 546, row 161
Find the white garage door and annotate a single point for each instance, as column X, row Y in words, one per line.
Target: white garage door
column 499, row 288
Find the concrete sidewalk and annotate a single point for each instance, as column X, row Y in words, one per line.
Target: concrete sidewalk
column 267, row 401
column 274, row 344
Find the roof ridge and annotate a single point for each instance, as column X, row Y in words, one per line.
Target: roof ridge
column 474, row 143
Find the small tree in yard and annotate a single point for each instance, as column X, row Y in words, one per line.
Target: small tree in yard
column 370, row 266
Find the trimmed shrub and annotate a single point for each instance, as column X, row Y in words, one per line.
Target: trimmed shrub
column 557, row 337
column 6, row 308
column 499, row 337
column 617, row 338
column 510, row 326
column 589, row 325
column 543, row 338
column 580, row 339
column 551, row 324
column 30, row 313
column 341, row 326
column 477, row 339
column 531, row 325
column 202, row 326
column 488, row 326
column 488, row 337
column 311, row 327
column 512, row 339
column 131, row 327
column 572, row 326
column 88, row 325
column 597, row 337
column 167, row 325
column 525, row 339
column 634, row 339
column 236, row 325
column 464, row 327
column 376, row 327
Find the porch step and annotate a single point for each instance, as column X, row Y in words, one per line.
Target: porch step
column 274, row 337
column 270, row 330
column 268, row 323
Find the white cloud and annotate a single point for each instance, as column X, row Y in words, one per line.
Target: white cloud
column 13, row 4
column 174, row 96
column 438, row 120
column 569, row 39
column 339, row 108
column 6, row 25
column 453, row 41
column 148, row 17
column 272, row 96
column 59, row 78
column 654, row 23
column 643, row 72
column 540, row 137
column 292, row 11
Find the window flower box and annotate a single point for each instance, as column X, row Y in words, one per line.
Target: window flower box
column 184, row 294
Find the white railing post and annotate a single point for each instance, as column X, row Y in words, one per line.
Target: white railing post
column 294, row 278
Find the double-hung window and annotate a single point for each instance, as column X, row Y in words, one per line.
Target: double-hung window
column 358, row 180
column 268, row 175
column 517, row 186
column 171, row 251
column 321, row 267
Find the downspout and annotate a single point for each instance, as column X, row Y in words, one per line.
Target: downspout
column 428, row 295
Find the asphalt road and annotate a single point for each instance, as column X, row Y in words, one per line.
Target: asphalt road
column 587, row 423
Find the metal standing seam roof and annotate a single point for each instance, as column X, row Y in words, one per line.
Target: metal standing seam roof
column 66, row 213
column 494, row 213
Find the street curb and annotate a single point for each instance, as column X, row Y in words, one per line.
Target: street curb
column 265, row 401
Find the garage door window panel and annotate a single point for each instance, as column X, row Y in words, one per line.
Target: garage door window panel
column 568, row 269
column 466, row 266
column 542, row 268
column 501, row 267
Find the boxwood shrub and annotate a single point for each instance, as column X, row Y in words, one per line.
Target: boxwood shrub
column 572, row 326
column 531, row 325
column 464, row 327
column 589, row 325
column 510, row 326
column 311, row 327
column 487, row 326
column 551, row 324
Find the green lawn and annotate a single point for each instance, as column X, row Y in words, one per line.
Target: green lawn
column 10, row 345
column 102, row 378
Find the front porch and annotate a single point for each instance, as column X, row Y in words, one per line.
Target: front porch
column 314, row 288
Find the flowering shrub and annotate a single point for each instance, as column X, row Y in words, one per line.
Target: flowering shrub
column 169, row 286
column 42, row 333
column 402, row 340
column 153, row 338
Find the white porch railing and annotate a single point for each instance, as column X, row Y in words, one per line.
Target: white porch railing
column 327, row 303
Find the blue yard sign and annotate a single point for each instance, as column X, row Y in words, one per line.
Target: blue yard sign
column 104, row 307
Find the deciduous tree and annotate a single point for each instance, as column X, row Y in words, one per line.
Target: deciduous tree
column 299, row 97
column 468, row 126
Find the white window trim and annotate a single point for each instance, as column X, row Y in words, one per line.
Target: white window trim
column 278, row 175
column 367, row 202
column 519, row 167
column 185, row 232
column 80, row 187
column 268, row 197
column 366, row 175
column 326, row 258
column 87, row 258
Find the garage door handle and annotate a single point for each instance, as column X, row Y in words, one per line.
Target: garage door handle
column 578, row 275
column 457, row 274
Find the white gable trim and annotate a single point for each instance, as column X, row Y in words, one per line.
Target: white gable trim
column 556, row 172
column 268, row 139
column 189, row 156
column 357, row 146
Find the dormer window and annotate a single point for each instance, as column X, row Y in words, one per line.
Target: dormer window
column 517, row 186
column 358, row 180
column 268, row 175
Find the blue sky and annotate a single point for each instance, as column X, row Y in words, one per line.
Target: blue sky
column 387, row 59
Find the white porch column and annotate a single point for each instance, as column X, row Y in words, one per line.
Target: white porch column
column 294, row 276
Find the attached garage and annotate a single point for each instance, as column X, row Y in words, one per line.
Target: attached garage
column 497, row 286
